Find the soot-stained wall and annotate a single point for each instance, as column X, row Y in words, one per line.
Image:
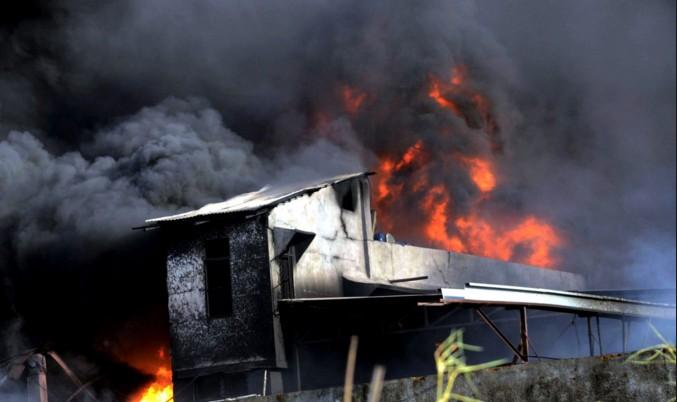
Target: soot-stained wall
column 242, row 340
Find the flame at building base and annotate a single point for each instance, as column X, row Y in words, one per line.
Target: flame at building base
column 161, row 389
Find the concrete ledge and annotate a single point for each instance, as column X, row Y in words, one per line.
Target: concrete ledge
column 605, row 378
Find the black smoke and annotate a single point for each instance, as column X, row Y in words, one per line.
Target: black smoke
column 112, row 112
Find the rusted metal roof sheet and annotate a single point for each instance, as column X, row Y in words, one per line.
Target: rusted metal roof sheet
column 256, row 200
column 481, row 293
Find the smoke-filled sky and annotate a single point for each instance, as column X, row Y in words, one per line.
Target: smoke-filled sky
column 113, row 112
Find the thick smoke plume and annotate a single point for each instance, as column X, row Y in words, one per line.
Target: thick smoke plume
column 164, row 158
column 113, row 112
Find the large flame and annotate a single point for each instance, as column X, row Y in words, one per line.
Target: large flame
column 530, row 240
column 526, row 239
column 161, row 389
column 413, row 186
column 535, row 236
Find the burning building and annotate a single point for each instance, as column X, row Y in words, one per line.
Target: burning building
column 250, row 280
column 532, row 136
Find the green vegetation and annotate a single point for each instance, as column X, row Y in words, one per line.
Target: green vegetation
column 663, row 353
column 451, row 363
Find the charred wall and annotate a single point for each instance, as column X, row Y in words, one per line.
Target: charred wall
column 244, row 337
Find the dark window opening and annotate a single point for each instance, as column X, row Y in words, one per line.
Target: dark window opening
column 220, row 385
column 287, row 263
column 298, row 244
column 218, row 287
column 349, row 199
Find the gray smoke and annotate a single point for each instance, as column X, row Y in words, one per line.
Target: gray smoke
column 100, row 128
column 596, row 146
column 163, row 159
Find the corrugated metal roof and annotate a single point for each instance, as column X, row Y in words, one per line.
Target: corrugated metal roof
column 267, row 196
column 482, row 293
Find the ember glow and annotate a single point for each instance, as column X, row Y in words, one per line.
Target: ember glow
column 353, row 99
column 475, row 228
column 436, row 94
column 444, row 92
column 457, row 95
column 161, row 389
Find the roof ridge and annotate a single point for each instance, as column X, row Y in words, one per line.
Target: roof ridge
column 255, row 200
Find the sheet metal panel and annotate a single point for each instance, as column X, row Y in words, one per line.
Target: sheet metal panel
column 479, row 293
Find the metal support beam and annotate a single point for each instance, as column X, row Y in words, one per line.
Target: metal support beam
column 524, row 334
column 498, row 333
column 599, row 336
column 297, row 359
column 446, row 315
column 591, row 344
column 71, row 374
column 627, row 333
column 411, row 279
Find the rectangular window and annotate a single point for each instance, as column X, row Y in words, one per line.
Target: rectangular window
column 349, row 199
column 218, row 287
column 287, row 263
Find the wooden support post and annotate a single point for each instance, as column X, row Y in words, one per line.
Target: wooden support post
column 524, row 335
column 350, row 370
column 36, row 381
column 376, row 385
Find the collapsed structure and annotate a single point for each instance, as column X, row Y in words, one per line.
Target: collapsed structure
column 265, row 288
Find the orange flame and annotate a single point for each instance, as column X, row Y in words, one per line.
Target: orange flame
column 481, row 173
column 161, row 389
column 531, row 240
column 436, row 94
column 387, row 167
column 536, row 238
column 437, row 202
column 458, row 96
column 439, row 90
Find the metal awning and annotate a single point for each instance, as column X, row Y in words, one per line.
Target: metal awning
column 488, row 294
column 481, row 297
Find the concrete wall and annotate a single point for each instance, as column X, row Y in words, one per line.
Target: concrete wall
column 447, row 269
column 339, row 243
column 589, row 379
column 242, row 340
